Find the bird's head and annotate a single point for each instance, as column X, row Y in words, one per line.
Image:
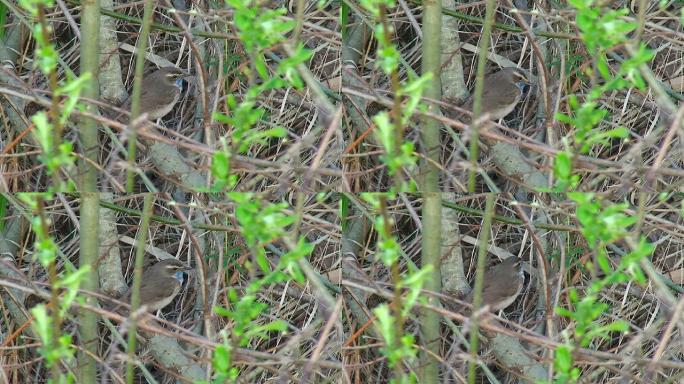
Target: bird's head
column 516, row 76
column 172, row 75
column 172, row 268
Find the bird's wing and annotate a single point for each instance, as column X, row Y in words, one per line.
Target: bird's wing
column 493, row 99
column 149, row 97
column 150, row 101
column 155, row 289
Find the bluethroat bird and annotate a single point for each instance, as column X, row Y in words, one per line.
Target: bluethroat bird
column 501, row 92
column 160, row 92
column 502, row 284
column 160, row 284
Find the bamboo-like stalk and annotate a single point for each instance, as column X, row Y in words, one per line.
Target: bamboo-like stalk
column 90, row 199
column 90, row 29
column 479, row 86
column 137, row 87
column 432, row 213
column 137, row 280
column 479, row 281
column 430, row 320
column 89, row 251
column 431, row 63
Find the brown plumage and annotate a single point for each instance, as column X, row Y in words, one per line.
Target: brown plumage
column 502, row 284
column 159, row 284
column 159, row 93
column 501, row 92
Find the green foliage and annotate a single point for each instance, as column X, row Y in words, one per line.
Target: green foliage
column 563, row 363
column 51, row 158
column 373, row 6
column 345, row 209
column 287, row 68
column 55, row 155
column 220, row 168
column 601, row 31
column 245, row 310
column 399, row 347
column 223, row 362
column 413, row 283
column 62, row 156
column 387, row 129
column 47, row 56
column 72, row 90
column 53, row 353
column 57, row 349
column 45, row 248
column 259, row 27
column 345, row 11
column 32, row 5
column 261, row 225
column 600, row 28
column 3, row 19
column 562, row 170
column 399, row 155
column 4, row 203
column 259, row 31
column 69, row 283
column 601, row 224
column 386, row 134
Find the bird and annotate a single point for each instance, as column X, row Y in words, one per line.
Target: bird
column 160, row 284
column 501, row 284
column 160, row 92
column 501, row 92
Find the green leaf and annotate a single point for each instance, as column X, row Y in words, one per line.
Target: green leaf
column 345, row 209
column 564, row 359
column 222, row 312
column 563, row 165
column 3, row 19
column 220, row 165
column 41, row 323
column 222, row 358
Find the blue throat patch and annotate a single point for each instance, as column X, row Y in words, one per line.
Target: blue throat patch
column 179, row 276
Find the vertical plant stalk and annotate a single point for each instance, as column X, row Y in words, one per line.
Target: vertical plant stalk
column 431, row 255
column 431, row 62
column 54, row 106
column 353, row 41
column 90, row 199
column 137, row 280
column 42, row 233
column 432, row 199
column 90, row 52
column 137, row 87
column 479, row 277
column 477, row 96
column 354, row 236
column 299, row 19
column 88, row 255
column 396, row 304
column 395, row 112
